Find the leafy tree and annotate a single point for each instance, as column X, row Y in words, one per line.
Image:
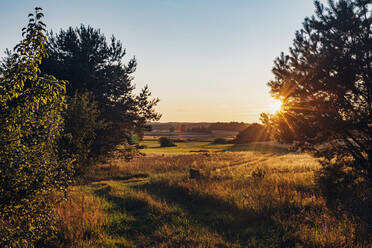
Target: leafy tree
column 30, row 121
column 325, row 84
column 92, row 64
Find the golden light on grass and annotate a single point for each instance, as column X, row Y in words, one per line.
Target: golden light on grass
column 248, row 187
column 276, row 106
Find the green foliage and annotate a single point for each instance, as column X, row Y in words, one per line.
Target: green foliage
column 92, row 64
column 166, row 142
column 82, row 121
column 30, row 122
column 253, row 133
column 326, row 90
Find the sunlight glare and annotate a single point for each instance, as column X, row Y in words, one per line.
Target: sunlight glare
column 276, row 106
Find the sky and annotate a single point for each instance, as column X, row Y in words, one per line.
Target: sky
column 207, row 60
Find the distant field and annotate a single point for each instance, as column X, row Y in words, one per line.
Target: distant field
column 152, row 146
column 246, row 196
column 191, row 135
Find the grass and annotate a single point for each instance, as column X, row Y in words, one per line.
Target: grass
column 242, row 199
column 153, row 147
column 81, row 219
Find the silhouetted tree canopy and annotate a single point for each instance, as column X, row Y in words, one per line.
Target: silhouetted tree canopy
column 91, row 63
column 325, row 84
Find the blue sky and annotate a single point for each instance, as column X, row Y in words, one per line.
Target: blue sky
column 207, row 60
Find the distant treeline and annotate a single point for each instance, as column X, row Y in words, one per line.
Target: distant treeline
column 202, row 127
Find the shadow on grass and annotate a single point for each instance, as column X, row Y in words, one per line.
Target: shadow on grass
column 120, row 177
column 248, row 229
column 130, row 216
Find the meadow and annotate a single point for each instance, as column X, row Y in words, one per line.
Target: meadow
column 80, row 165
column 207, row 145
column 246, row 196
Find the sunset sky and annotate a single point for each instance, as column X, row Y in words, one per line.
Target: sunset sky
column 207, row 60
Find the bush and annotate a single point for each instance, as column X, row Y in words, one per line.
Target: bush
column 166, row 142
column 253, row 133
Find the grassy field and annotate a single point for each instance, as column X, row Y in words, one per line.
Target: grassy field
column 246, row 196
column 152, row 147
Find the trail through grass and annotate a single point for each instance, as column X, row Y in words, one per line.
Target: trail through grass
column 242, row 199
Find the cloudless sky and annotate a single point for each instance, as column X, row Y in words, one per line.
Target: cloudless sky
column 207, row 60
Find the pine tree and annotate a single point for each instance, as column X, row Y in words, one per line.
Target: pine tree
column 325, row 85
column 94, row 65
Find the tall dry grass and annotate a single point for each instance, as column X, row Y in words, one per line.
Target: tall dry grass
column 80, row 219
column 242, row 199
column 280, row 186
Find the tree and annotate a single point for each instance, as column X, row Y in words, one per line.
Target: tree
column 31, row 108
column 325, row 85
column 90, row 63
column 81, row 119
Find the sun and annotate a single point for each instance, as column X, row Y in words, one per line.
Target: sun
column 276, row 106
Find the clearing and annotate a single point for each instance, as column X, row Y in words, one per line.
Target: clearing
column 246, row 196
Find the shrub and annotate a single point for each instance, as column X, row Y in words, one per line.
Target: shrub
column 166, row 142
column 253, row 133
